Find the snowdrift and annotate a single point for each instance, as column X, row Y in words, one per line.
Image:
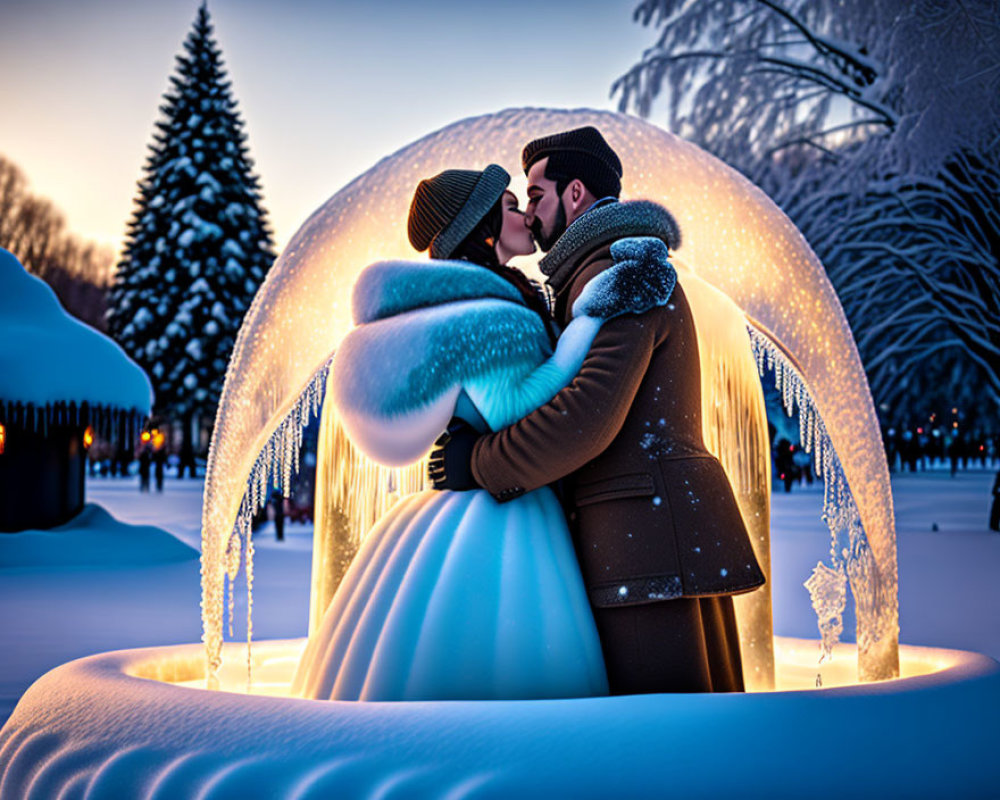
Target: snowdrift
column 124, row 725
column 93, row 538
column 49, row 357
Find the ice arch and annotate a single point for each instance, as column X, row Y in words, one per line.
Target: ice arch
column 737, row 246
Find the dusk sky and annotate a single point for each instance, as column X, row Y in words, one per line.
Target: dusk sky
column 326, row 88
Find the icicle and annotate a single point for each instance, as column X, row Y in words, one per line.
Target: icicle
column 264, row 480
column 274, row 465
column 265, row 477
column 234, row 547
column 850, row 554
column 286, row 461
column 249, row 570
column 231, row 604
column 828, row 591
column 232, row 567
column 254, row 488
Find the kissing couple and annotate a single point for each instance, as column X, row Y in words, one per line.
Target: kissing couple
column 580, row 539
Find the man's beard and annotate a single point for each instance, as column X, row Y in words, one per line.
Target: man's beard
column 558, row 229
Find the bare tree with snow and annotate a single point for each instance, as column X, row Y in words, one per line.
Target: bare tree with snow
column 35, row 231
column 750, row 80
column 875, row 124
column 916, row 262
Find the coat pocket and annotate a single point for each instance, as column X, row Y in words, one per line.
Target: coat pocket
column 625, row 536
column 639, row 484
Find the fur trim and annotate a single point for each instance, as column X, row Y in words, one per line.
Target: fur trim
column 428, row 329
column 402, row 363
column 395, row 381
column 388, row 288
column 601, row 226
column 640, row 279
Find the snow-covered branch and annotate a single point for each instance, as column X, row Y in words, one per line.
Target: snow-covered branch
column 875, row 124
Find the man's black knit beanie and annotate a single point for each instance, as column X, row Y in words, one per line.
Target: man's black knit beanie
column 580, row 153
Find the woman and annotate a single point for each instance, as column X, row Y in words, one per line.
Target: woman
column 453, row 595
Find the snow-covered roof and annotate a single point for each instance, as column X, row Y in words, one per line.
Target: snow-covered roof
column 47, row 356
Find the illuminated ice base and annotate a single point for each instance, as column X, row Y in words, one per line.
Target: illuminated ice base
column 131, row 724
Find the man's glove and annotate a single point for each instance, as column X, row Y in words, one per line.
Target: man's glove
column 450, row 464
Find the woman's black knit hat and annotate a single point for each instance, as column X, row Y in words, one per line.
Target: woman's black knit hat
column 448, row 206
column 580, row 153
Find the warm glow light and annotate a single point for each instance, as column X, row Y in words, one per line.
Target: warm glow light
column 275, row 663
column 734, row 239
column 145, row 437
column 88, row 437
column 734, row 426
column 3, row 438
column 158, row 438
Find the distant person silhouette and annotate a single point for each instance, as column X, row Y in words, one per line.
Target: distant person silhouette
column 278, row 502
column 995, row 508
column 159, row 462
column 145, row 462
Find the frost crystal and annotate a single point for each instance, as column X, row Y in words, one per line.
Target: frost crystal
column 828, row 592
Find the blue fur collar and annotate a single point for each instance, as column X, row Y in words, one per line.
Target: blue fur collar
column 389, row 288
column 425, row 327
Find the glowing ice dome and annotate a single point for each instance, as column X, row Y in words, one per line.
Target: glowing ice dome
column 751, row 267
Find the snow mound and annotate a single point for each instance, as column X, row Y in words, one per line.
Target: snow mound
column 131, row 724
column 93, row 538
column 48, row 356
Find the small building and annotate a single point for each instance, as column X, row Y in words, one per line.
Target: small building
column 61, row 383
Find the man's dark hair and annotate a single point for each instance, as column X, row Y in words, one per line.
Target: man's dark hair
column 597, row 184
column 580, row 154
column 479, row 246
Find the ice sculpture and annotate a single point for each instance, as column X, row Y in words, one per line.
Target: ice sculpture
column 734, row 239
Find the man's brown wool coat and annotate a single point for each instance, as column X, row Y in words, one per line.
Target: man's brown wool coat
column 652, row 512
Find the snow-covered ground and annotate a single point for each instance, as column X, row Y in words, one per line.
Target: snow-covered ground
column 54, row 615
column 948, row 586
column 948, row 591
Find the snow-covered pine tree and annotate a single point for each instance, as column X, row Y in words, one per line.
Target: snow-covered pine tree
column 198, row 244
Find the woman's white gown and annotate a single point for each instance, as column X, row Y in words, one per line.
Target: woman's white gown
column 452, row 595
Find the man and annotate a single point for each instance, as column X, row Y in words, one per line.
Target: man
column 660, row 539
